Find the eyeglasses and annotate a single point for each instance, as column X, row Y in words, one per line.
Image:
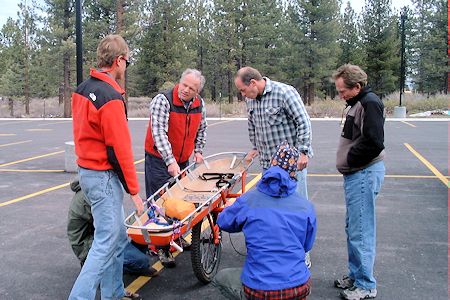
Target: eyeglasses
column 127, row 63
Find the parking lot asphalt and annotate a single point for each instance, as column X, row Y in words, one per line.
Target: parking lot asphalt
column 36, row 261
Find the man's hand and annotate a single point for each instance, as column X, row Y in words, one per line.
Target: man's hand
column 137, row 200
column 173, row 169
column 251, row 155
column 198, row 157
column 302, row 162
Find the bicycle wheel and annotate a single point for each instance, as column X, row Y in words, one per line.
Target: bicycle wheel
column 205, row 255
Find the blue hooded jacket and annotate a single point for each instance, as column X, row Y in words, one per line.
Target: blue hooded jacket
column 279, row 227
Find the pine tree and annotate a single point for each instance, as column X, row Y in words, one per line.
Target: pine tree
column 164, row 47
column 350, row 39
column 429, row 59
column 316, row 48
column 11, row 78
column 381, row 45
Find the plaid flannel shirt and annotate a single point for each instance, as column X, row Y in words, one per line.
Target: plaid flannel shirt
column 159, row 114
column 297, row 293
column 276, row 116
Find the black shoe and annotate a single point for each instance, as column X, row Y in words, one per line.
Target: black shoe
column 149, row 272
column 184, row 244
column 131, row 296
column 166, row 258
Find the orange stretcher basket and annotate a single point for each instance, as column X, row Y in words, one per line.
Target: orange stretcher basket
column 207, row 186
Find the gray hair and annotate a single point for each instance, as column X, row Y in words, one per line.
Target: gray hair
column 197, row 74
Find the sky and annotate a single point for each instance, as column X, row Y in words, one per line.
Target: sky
column 10, row 8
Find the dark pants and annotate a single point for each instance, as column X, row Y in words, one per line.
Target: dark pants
column 156, row 174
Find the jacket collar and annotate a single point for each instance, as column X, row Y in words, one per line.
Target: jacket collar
column 108, row 79
column 362, row 93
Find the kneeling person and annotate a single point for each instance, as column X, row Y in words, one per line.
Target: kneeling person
column 279, row 227
column 80, row 231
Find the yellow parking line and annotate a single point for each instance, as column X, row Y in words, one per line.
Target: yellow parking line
column 386, row 176
column 221, row 122
column 428, row 164
column 139, row 161
column 31, row 171
column 53, row 123
column 30, row 158
column 16, row 143
column 15, row 122
column 38, row 129
column 34, row 194
column 7, row 134
column 139, row 282
column 407, row 123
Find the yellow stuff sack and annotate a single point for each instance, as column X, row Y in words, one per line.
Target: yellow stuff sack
column 177, row 208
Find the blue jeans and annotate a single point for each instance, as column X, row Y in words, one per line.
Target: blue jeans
column 301, row 183
column 361, row 189
column 135, row 260
column 104, row 263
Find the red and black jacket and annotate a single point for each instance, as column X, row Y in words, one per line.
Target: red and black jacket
column 100, row 129
column 183, row 126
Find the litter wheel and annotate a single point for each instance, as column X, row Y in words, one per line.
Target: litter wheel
column 205, row 253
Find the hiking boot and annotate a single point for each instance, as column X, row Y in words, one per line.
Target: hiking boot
column 344, row 283
column 184, row 244
column 166, row 258
column 131, row 296
column 356, row 293
column 308, row 262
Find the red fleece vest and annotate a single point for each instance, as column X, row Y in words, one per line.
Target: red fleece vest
column 183, row 127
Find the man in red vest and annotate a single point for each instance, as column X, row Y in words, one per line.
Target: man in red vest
column 177, row 128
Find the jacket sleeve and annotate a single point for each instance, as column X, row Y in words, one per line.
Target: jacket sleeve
column 371, row 142
column 159, row 116
column 232, row 218
column 117, row 138
column 251, row 127
column 295, row 108
column 310, row 231
column 200, row 139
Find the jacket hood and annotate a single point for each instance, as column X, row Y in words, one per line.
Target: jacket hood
column 276, row 182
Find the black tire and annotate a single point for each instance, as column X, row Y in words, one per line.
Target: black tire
column 205, row 255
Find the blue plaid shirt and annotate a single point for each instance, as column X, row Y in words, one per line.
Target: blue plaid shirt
column 276, row 116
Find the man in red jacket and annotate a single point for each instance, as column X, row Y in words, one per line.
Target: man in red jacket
column 177, row 128
column 106, row 169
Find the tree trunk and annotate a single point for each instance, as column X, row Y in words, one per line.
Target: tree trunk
column 11, row 107
column 120, row 12
column 27, row 72
column 311, row 93
column 230, row 88
column 66, row 66
column 305, row 92
column 66, row 86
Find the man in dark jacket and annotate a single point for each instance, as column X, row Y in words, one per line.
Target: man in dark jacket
column 279, row 227
column 360, row 159
column 80, row 231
